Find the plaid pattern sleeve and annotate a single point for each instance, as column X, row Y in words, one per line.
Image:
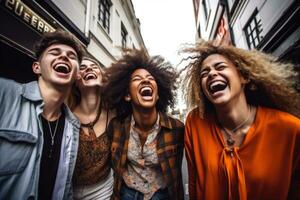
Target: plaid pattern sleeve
column 169, row 151
column 170, row 154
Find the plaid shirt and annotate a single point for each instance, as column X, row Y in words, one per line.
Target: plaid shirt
column 169, row 151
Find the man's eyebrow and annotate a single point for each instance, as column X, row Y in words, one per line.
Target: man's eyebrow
column 59, row 49
column 54, row 49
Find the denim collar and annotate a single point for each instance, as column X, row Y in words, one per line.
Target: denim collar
column 31, row 91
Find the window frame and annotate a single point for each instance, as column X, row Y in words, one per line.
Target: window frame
column 104, row 14
column 253, row 29
column 124, row 34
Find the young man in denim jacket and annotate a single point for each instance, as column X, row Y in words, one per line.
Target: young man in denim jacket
column 38, row 133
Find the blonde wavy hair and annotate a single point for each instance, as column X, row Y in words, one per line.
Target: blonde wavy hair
column 271, row 83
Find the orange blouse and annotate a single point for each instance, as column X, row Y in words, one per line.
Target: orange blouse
column 265, row 166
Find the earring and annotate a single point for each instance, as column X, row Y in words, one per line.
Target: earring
column 127, row 98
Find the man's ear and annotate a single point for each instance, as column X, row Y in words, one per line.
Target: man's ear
column 127, row 98
column 36, row 68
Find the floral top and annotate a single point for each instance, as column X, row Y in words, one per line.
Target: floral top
column 169, row 149
column 143, row 171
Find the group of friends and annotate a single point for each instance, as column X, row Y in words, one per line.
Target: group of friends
column 85, row 132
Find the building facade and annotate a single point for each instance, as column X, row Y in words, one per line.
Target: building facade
column 104, row 27
column 272, row 26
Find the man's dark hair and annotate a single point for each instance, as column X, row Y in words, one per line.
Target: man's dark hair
column 119, row 74
column 58, row 37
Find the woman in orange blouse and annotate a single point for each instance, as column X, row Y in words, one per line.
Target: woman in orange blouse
column 93, row 178
column 242, row 139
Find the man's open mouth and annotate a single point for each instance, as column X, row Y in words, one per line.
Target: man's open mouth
column 62, row 68
column 217, row 86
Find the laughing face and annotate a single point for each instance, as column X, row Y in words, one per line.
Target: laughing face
column 220, row 80
column 58, row 65
column 143, row 92
column 90, row 74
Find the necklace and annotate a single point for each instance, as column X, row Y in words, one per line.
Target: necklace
column 52, row 135
column 230, row 141
column 91, row 125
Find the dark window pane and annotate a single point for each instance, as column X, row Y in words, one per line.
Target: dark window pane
column 104, row 13
column 253, row 30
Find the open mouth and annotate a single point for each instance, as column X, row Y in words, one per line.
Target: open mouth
column 90, row 76
column 217, row 86
column 62, row 68
column 146, row 91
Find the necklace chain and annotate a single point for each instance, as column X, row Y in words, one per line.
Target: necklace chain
column 91, row 124
column 240, row 125
column 52, row 134
column 230, row 141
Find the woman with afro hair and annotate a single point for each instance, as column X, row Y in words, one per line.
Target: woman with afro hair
column 146, row 144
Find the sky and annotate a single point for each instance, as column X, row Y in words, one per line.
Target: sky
column 165, row 25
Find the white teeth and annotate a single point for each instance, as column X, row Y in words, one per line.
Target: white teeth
column 145, row 88
column 146, row 91
column 90, row 76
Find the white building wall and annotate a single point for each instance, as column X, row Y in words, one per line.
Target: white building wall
column 104, row 46
column 111, row 43
column 269, row 11
column 74, row 10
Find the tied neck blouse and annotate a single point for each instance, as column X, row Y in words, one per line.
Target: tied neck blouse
column 265, row 166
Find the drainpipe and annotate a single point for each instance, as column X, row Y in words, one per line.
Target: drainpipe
column 87, row 18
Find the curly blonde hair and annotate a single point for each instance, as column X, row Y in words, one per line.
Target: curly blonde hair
column 271, row 83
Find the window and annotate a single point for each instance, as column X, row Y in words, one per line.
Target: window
column 253, row 30
column 123, row 35
column 104, row 13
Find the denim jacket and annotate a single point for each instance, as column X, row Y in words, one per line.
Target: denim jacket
column 21, row 143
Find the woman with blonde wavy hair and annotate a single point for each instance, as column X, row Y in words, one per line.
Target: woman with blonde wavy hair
column 242, row 138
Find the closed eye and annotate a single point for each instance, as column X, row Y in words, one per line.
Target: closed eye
column 72, row 56
column 136, row 79
column 151, row 78
column 220, row 67
column 204, row 73
column 54, row 52
column 82, row 67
